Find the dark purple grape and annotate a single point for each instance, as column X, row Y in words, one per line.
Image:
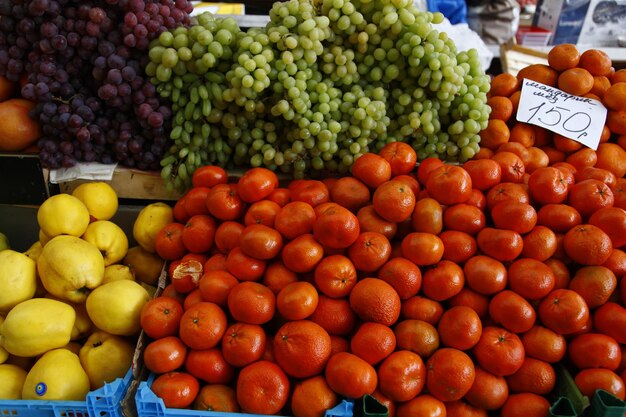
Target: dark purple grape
column 25, row 26
column 48, row 29
column 123, row 52
column 54, row 9
column 152, row 9
column 41, row 89
column 143, row 18
column 136, row 6
column 89, row 42
column 130, row 40
column 142, row 44
column 155, row 119
column 66, row 147
column 68, row 25
column 135, row 145
column 125, row 135
column 64, row 108
column 153, row 26
column 177, row 15
column 90, row 156
column 149, row 158
column 97, row 15
column 100, row 62
column 115, row 37
column 83, row 11
column 140, row 31
column 128, row 73
column 138, row 97
column 130, row 19
column 21, row 44
column 68, row 161
column 120, row 147
column 45, row 46
column 106, row 48
column 28, row 91
column 49, row 145
column 160, row 140
column 116, row 61
column 50, row 108
column 124, row 90
column 164, row 10
column 54, row 86
column 144, row 110
column 107, row 92
column 83, row 134
column 76, row 102
column 79, row 26
column 73, row 39
column 38, row 7
column 104, row 123
column 153, row 101
column 75, row 121
column 92, row 29
column 58, row 42
column 137, row 84
column 61, row 76
column 66, row 90
column 106, row 158
column 114, row 76
column 86, row 113
column 116, row 101
column 47, row 68
column 165, row 111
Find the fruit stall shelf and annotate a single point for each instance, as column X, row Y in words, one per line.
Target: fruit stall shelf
column 149, row 405
column 103, row 402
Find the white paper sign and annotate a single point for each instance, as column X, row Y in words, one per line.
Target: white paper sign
column 579, row 118
column 94, row 171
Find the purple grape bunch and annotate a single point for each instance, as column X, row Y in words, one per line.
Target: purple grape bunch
column 83, row 63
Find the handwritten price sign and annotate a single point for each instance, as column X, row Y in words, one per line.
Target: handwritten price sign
column 577, row 118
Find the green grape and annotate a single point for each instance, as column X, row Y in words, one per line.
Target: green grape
column 319, row 85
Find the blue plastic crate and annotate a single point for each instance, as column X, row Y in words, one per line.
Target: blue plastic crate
column 149, row 405
column 105, row 401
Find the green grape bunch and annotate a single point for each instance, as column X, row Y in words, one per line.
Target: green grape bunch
column 324, row 82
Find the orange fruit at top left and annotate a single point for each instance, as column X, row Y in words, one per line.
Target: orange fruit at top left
column 7, row 88
column 17, row 131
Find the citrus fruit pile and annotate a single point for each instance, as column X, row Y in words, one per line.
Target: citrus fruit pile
column 438, row 289
column 589, row 74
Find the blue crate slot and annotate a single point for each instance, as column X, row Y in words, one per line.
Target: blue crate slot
column 103, row 402
column 149, row 405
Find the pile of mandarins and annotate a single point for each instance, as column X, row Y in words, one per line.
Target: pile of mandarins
column 440, row 290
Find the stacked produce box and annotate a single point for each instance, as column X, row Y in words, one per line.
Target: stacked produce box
column 366, row 216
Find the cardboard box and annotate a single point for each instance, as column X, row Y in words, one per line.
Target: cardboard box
column 605, row 24
column 564, row 18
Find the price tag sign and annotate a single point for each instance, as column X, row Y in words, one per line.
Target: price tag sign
column 579, row 118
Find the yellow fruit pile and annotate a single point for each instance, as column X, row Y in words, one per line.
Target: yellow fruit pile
column 70, row 302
